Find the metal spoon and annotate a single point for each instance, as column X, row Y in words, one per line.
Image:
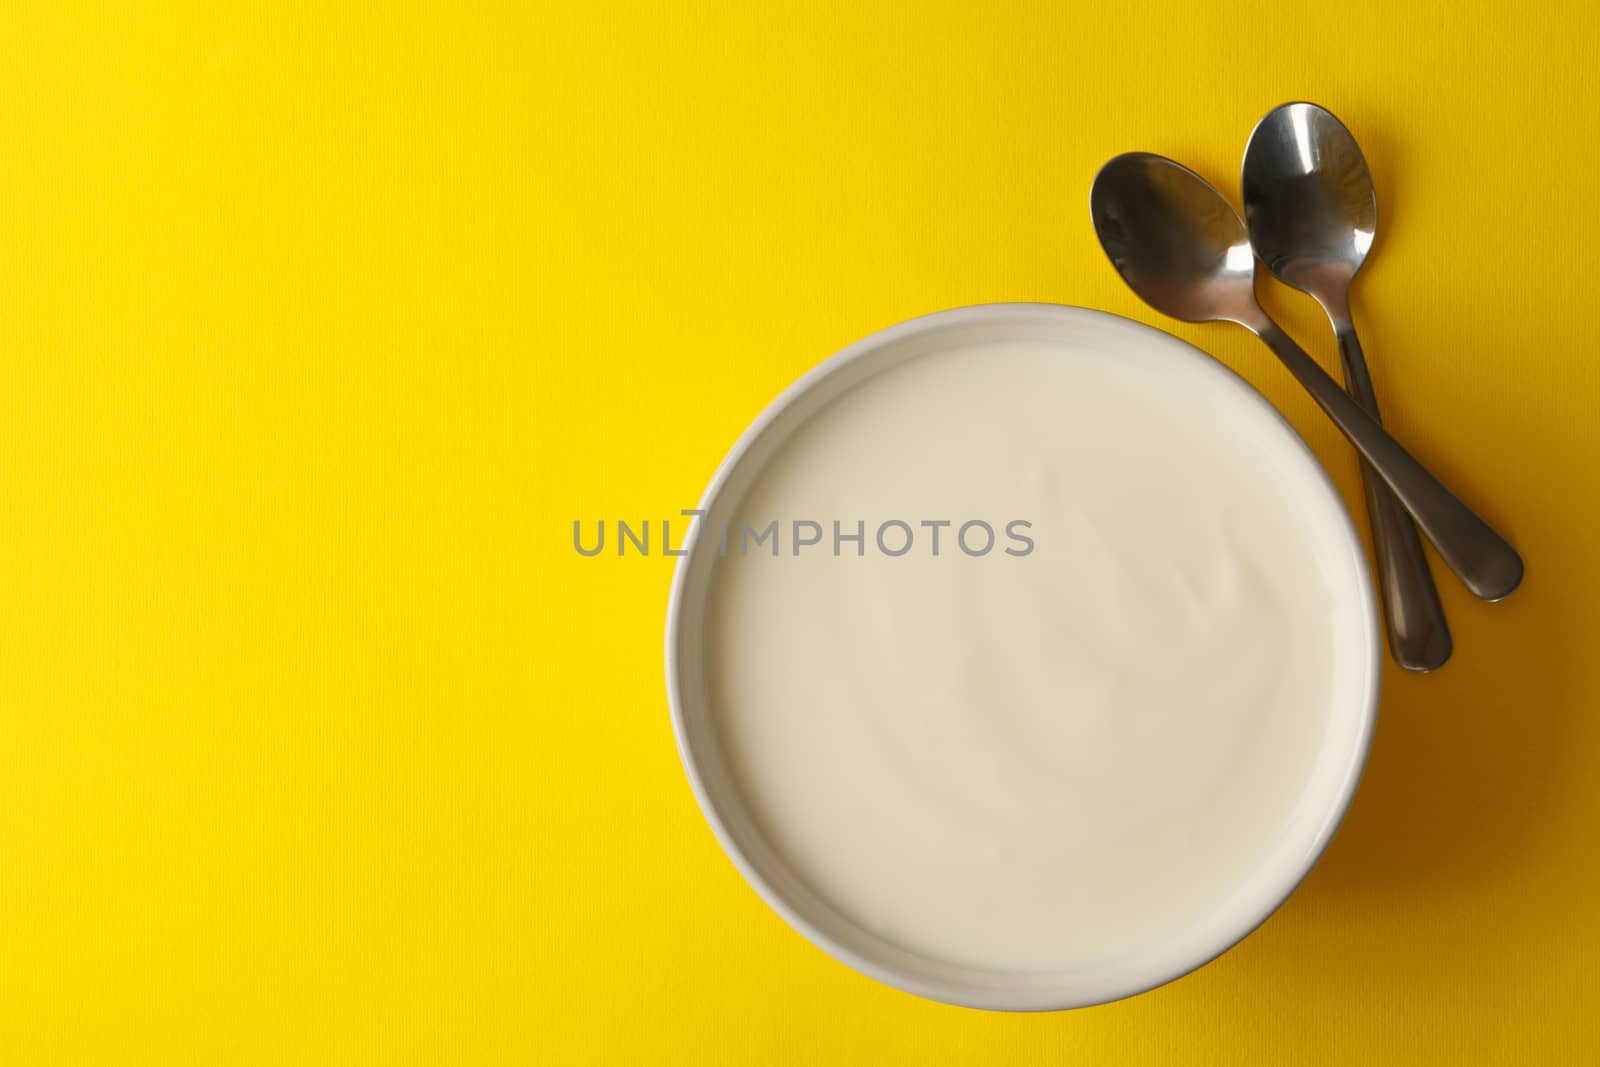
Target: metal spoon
column 1312, row 212
column 1184, row 250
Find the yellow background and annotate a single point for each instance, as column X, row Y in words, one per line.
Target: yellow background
column 320, row 744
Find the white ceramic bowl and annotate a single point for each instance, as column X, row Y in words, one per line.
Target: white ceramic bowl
column 1334, row 775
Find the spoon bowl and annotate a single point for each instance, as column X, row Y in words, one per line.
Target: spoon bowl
column 1174, row 239
column 1309, row 199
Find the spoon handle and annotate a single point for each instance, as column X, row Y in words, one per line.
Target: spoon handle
column 1419, row 637
column 1483, row 559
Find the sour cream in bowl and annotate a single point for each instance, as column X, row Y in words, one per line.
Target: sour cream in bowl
column 1024, row 657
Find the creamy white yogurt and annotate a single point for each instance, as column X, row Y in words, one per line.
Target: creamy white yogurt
column 1046, row 762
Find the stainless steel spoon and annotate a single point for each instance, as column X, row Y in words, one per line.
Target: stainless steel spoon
column 1312, row 212
column 1184, row 250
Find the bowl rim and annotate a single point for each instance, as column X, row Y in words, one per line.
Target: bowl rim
column 1017, row 1000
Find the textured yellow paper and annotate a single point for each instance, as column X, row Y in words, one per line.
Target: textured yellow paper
column 318, row 742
